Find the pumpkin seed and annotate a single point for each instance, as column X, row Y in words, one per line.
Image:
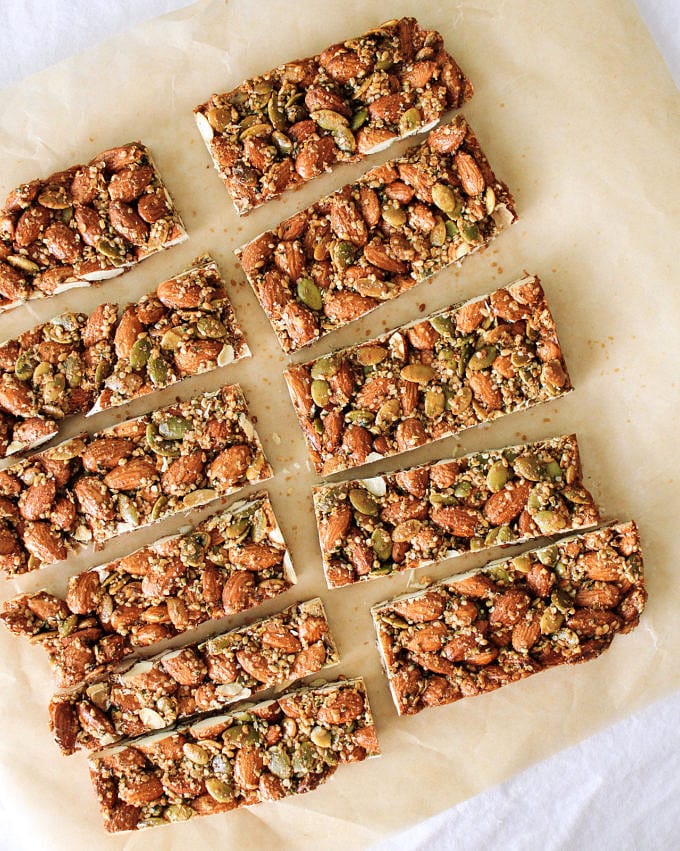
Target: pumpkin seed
column 174, row 428
column 384, row 64
column 321, row 737
column 466, row 351
column 66, row 627
column 158, row 507
column 166, row 448
column 551, row 621
column 578, row 496
column 482, row 358
column 444, row 324
column 529, row 467
column 327, row 119
column 394, row 621
column 363, row 502
column 218, row 118
column 73, row 370
column 451, row 229
column 305, row 758
column 388, row 413
column 520, row 358
column 25, row 366
column 54, row 198
column 462, row 489
column 442, row 499
column 409, row 121
column 192, row 549
column 158, row 371
column 469, row 231
column 403, row 532
column 359, row 417
column 344, row 139
column 553, row 470
column 522, row 564
column 438, row 234
column 196, row 753
column 435, row 402
column 342, row 254
column 358, row 118
column 321, row 392
column 170, row 340
column 418, row 373
column 139, row 353
column 111, row 251
column 497, row 476
column 289, row 727
column 461, row 401
column 220, row 790
column 394, row 216
column 178, row 812
column 128, row 509
column 371, row 355
column 211, row 328
column 53, row 389
column 236, row 529
column 199, row 497
column 382, row 544
column 309, row 294
column 276, row 115
column 263, row 87
column 444, row 197
column 261, row 129
column 23, row 263
column 259, row 527
column 549, row 522
column 282, row 142
column 324, row 367
column 489, row 200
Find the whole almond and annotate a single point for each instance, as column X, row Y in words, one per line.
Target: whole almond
column 99, row 324
column 419, row 74
column 105, row 453
column 461, row 646
column 598, row 566
column 17, row 398
column 315, row 156
column 115, row 159
column 230, row 466
column 506, row 504
column 426, row 607
column 345, row 306
column 84, row 592
column 476, row 586
column 185, row 668
column 128, row 183
column 485, row 390
column 310, row 660
column 37, row 500
column 334, row 526
column 197, row 355
column 471, row 177
column 255, row 664
column 525, row 635
column 414, row 482
column 237, row 592
column 89, row 224
column 153, row 206
column 290, row 259
column 256, row 253
column 12, row 283
column 404, row 508
column 64, row 724
column 43, row 543
column 129, row 329
column 599, row 595
column 447, row 139
column 428, row 639
column 341, row 708
column 179, row 293
column 370, row 138
column 62, row 242
column 255, row 556
column 132, row 475
column 318, row 98
column 593, row 622
column 346, row 222
column 312, row 628
column 187, row 470
column 299, row 385
column 389, row 108
column 93, row 498
column 509, row 607
column 248, row 766
column 31, row 224
column 140, row 789
column 370, row 206
column 128, row 223
column 377, row 255
column 93, row 721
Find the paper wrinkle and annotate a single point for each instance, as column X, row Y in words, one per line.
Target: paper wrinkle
column 598, row 223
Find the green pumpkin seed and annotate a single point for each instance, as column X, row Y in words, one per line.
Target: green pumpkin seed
column 211, row 328
column 174, row 428
column 327, row 119
column 158, row 507
column 25, row 366
column 444, row 197
column 324, row 367
column 382, row 544
column 444, row 324
column 199, row 497
column 321, row 737
column 53, row 389
column 23, row 264
column 342, row 254
column 67, row 626
column 192, row 549
column 549, row 522
column 282, row 142
column 418, row 373
column 42, row 373
column 482, row 358
column 73, row 370
column 438, row 234
column 278, row 762
column 468, row 231
column 235, row 530
column 561, row 600
column 359, row 417
column 305, row 758
column 158, row 371
column 489, row 200
column 394, row 621
column 111, row 251
column 220, row 790
column 178, row 812
column 435, row 402
column 522, row 564
column 344, row 139
column 462, row 489
column 551, row 621
column 520, row 359
column 276, row 115
column 309, row 294
column 464, row 355
column 359, row 118
column 128, row 509
column 461, row 401
column 196, row 753
column 170, row 340
column 577, row 496
column 139, row 353
column 54, row 198
column 387, row 413
column 166, row 448
column 263, row 130
column 403, row 532
column 371, row 355
column 553, row 470
column 258, row 530
column 529, row 467
column 363, row 502
column 321, row 392
column 384, row 64
column 394, row 216
column 409, row 121
column 451, row 229
column 497, row 476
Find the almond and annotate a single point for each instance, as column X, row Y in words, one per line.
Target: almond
column 333, row 528
column 17, row 398
column 471, row 177
column 94, row 498
column 414, row 481
column 237, row 592
column 93, row 721
column 129, row 183
column 179, row 293
column 315, row 156
column 357, row 442
column 404, row 508
column 419, row 74
column 318, row 98
column 105, row 453
column 89, row 224
column 229, row 467
column 506, row 504
column 197, row 355
column 294, row 227
column 64, row 724
column 248, row 766
column 461, row 646
column 299, row 385
column 598, row 595
column 255, row 557
column 427, row 639
column 426, row 607
column 43, row 543
column 255, row 664
column 345, row 306
column 374, row 393
column 525, row 635
column 436, row 664
column 222, row 668
column 36, row 501
column 255, row 254
column 63, row 514
column 128, row 223
column 290, row 259
column 274, row 294
column 485, row 390
column 597, row 566
column 301, row 324
column 31, row 224
column 540, row 580
column 140, row 789
column 509, row 607
column 280, row 637
column 476, row 586
column 410, row 433
column 341, row 708
column 346, row 222
column 591, row 622
column 132, row 475
column 84, row 592
column 417, row 178
column 62, row 242
column 310, row 660
column 115, row 159
column 460, row 522
column 129, row 329
column 370, row 206
column 185, row 668
column 343, row 64
column 99, row 324
column 447, row 139
column 312, row 628
column 377, row 255
column 444, row 475
column 389, row 108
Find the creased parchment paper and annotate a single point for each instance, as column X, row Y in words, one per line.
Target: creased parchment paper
column 577, row 113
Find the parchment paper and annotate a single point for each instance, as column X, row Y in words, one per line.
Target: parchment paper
column 578, row 114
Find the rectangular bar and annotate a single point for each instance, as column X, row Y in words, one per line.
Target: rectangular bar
column 374, row 239
column 93, row 488
column 144, row 696
column 430, row 379
column 229, row 563
column 85, row 224
column 275, row 749
column 385, row 524
column 477, row 631
column 285, row 127
column 79, row 364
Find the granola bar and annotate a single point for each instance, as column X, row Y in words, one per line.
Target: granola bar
column 153, row 694
column 93, row 488
column 266, row 752
column 433, row 378
column 289, row 125
column 374, row 239
column 385, row 524
column 477, row 631
column 231, row 562
column 78, row 364
column 85, row 224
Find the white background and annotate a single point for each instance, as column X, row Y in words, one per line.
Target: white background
column 619, row 789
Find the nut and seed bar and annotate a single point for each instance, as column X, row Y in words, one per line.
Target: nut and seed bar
column 374, row 239
column 78, row 364
column 269, row 751
column 291, row 124
column 93, row 488
column 433, row 378
column 477, row 631
column 149, row 695
column 85, row 224
column 231, row 562
column 400, row 521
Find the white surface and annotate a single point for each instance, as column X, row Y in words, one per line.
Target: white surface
column 619, row 789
